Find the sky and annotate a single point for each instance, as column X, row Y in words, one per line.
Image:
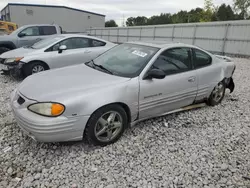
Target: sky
column 120, row 10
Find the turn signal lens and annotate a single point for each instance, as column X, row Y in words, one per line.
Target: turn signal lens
column 47, row 109
column 57, row 109
column 18, row 59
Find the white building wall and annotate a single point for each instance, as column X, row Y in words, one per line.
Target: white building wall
column 70, row 20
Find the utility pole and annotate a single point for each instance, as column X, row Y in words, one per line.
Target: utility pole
column 123, row 21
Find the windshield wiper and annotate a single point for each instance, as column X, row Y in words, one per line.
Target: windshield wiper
column 102, row 67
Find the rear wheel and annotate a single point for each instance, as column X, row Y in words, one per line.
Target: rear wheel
column 106, row 125
column 217, row 94
column 34, row 67
column 3, row 49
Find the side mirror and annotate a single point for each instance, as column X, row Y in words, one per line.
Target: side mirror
column 62, row 48
column 21, row 35
column 155, row 73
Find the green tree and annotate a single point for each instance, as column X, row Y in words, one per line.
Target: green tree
column 208, row 12
column 135, row 21
column 181, row 17
column 195, row 15
column 141, row 20
column 161, row 19
column 225, row 13
column 110, row 23
column 208, row 5
column 242, row 6
column 130, row 21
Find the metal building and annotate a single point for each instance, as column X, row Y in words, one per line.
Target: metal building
column 70, row 19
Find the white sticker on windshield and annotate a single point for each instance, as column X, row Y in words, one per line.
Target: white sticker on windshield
column 141, row 54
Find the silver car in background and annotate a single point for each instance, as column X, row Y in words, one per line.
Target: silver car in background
column 54, row 52
column 131, row 82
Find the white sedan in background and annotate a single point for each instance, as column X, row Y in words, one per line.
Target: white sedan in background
column 53, row 52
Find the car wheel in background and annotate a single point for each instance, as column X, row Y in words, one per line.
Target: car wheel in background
column 217, row 94
column 34, row 67
column 106, row 125
column 3, row 49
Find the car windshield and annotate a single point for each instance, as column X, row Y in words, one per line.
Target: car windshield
column 126, row 60
column 45, row 42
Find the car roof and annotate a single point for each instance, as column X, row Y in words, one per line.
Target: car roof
column 81, row 35
column 162, row 44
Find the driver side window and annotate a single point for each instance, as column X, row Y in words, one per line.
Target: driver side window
column 173, row 61
column 30, row 31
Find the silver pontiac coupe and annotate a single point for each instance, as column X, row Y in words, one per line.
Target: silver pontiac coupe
column 131, row 82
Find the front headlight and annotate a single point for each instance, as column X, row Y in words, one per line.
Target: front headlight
column 47, row 109
column 11, row 60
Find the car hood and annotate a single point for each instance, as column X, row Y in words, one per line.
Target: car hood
column 20, row 52
column 5, row 37
column 53, row 84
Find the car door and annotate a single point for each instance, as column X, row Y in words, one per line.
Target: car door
column 176, row 90
column 76, row 52
column 28, row 36
column 208, row 74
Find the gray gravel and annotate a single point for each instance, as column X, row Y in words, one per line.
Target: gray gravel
column 208, row 147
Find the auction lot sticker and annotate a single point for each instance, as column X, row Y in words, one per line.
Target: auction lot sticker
column 141, row 54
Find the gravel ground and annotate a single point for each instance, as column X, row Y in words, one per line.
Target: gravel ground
column 208, row 147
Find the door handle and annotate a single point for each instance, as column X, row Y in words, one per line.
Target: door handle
column 191, row 79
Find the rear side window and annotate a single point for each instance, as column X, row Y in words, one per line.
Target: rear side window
column 48, row 30
column 96, row 43
column 201, row 59
column 174, row 61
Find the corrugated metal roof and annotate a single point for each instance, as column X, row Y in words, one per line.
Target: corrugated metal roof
column 51, row 6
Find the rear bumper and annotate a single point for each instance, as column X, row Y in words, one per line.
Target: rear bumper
column 230, row 82
column 230, row 85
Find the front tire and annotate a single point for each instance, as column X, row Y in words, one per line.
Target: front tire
column 106, row 125
column 217, row 94
column 33, row 68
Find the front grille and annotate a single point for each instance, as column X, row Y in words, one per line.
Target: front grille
column 20, row 100
column 2, row 60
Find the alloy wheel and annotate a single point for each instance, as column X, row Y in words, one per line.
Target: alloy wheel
column 108, row 126
column 37, row 68
column 218, row 91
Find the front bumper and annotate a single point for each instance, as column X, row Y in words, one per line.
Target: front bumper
column 46, row 129
column 14, row 69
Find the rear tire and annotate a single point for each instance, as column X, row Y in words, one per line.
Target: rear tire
column 4, row 49
column 217, row 94
column 106, row 125
column 33, row 68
